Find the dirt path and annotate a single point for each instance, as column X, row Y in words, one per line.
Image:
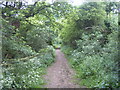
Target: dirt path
column 60, row 75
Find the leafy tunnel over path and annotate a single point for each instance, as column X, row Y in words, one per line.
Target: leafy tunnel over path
column 87, row 34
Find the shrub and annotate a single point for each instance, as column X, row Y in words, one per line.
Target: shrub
column 99, row 68
column 27, row 73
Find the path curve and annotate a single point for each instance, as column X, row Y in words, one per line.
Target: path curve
column 59, row 74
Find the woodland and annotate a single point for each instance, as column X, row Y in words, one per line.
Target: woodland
column 86, row 34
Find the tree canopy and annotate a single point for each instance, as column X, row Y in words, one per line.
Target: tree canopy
column 87, row 34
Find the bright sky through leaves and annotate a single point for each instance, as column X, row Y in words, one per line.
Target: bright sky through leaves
column 73, row 2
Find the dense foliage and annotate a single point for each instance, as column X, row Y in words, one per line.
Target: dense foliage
column 88, row 35
column 27, row 72
column 28, row 33
column 90, row 39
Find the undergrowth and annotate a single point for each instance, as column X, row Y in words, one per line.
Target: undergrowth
column 27, row 73
column 95, row 69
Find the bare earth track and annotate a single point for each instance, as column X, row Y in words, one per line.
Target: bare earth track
column 59, row 74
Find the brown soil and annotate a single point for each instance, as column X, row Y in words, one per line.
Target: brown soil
column 59, row 74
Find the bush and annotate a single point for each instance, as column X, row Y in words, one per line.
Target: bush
column 96, row 68
column 27, row 73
